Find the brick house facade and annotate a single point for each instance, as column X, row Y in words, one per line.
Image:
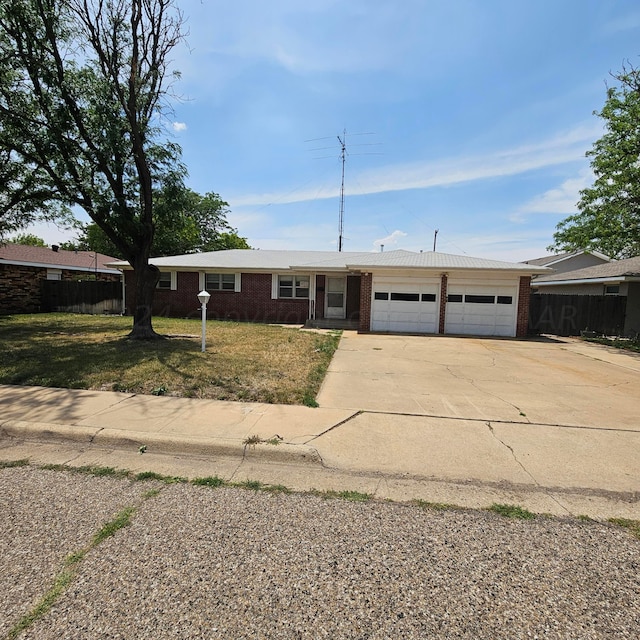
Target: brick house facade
column 397, row 291
column 24, row 268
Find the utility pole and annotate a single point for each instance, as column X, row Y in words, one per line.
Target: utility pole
column 343, row 153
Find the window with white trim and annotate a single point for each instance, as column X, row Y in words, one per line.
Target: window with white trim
column 168, row 280
column 291, row 286
column 611, row 289
column 54, row 274
column 220, row 281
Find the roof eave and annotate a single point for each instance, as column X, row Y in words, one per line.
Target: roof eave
column 621, row 278
column 46, row 265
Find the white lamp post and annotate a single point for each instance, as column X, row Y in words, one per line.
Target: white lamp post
column 204, row 296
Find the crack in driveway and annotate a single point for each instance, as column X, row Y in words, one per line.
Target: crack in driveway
column 521, row 465
column 472, row 382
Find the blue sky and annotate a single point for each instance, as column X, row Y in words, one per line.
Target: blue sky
column 479, row 114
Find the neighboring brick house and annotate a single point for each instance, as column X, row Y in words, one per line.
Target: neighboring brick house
column 395, row 291
column 23, row 268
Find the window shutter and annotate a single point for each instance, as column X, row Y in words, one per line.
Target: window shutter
column 238, row 285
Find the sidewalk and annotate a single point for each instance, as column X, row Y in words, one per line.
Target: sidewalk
column 466, row 462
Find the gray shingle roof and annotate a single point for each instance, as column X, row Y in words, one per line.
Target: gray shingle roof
column 614, row 269
column 545, row 260
column 264, row 260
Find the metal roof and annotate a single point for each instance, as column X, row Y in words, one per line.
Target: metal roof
column 269, row 260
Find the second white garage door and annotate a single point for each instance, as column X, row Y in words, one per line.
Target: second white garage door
column 481, row 309
column 405, row 305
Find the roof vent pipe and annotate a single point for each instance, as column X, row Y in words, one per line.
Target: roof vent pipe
column 381, row 248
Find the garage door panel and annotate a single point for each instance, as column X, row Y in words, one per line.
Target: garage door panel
column 404, row 305
column 476, row 310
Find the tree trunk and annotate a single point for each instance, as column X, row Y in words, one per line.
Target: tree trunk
column 146, row 279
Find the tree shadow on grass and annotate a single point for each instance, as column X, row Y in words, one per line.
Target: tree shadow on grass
column 115, row 364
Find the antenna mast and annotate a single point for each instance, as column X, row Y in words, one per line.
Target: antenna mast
column 343, row 156
column 343, row 153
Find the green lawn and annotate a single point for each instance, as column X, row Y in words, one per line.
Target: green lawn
column 248, row 362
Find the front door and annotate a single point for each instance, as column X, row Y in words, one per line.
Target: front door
column 336, row 298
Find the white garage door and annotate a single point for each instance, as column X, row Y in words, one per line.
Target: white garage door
column 481, row 309
column 405, row 305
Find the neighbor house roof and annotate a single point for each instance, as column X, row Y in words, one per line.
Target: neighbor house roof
column 253, row 259
column 45, row 257
column 616, row 270
column 549, row 261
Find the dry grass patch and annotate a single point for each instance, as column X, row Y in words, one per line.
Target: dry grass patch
column 243, row 361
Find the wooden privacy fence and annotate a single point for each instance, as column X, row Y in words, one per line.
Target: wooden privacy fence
column 92, row 297
column 568, row 315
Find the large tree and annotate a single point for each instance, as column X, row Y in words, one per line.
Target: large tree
column 186, row 223
column 82, row 87
column 609, row 211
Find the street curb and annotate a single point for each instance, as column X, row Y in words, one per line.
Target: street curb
column 47, row 431
column 160, row 443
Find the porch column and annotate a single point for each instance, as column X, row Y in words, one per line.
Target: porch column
column 366, row 288
column 443, row 301
column 312, row 296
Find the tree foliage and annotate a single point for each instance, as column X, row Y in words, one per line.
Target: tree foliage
column 609, row 211
column 191, row 223
column 28, row 239
column 186, row 222
column 82, row 88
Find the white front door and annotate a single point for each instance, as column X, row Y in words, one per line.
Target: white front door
column 335, row 306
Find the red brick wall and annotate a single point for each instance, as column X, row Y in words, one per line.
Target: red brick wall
column 524, row 297
column 443, row 302
column 252, row 304
column 20, row 288
column 366, row 289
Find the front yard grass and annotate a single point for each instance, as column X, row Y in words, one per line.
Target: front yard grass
column 626, row 344
column 243, row 361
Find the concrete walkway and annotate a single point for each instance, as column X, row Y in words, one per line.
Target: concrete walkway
column 552, row 426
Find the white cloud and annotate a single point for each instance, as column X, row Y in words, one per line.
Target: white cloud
column 307, row 37
column 179, row 126
column 563, row 148
column 561, row 200
column 392, row 239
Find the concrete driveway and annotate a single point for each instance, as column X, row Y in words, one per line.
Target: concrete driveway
column 556, row 416
column 562, row 382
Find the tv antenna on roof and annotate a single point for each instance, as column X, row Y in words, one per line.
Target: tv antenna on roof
column 343, row 153
column 343, row 156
